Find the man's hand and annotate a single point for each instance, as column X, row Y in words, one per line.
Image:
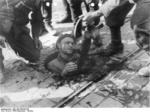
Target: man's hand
column 89, row 17
column 70, row 67
column 38, row 44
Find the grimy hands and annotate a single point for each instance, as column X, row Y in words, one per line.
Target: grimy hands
column 70, row 67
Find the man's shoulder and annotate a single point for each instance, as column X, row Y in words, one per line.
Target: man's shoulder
column 53, row 62
column 56, row 66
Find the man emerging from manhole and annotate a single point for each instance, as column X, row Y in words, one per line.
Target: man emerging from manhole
column 70, row 61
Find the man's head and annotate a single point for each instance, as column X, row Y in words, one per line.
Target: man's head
column 65, row 44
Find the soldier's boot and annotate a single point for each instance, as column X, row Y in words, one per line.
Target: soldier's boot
column 112, row 49
column 1, row 68
column 115, row 46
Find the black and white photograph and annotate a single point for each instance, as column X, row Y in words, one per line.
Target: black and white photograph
column 74, row 54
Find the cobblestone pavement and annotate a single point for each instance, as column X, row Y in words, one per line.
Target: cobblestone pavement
column 27, row 87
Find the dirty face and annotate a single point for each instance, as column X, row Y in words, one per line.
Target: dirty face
column 66, row 45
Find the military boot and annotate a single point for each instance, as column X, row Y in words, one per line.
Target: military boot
column 115, row 46
column 112, row 49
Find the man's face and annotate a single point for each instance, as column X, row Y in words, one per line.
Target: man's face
column 66, row 45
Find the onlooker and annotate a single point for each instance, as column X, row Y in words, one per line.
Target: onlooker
column 115, row 12
column 14, row 18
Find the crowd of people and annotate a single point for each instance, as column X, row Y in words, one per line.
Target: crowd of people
column 16, row 14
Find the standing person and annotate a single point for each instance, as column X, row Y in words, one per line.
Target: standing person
column 15, row 15
column 114, row 12
column 64, row 63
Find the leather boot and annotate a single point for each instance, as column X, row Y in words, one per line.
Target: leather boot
column 114, row 47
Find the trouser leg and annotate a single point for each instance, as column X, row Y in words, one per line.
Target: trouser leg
column 67, row 17
column 76, row 11
column 67, row 9
column 116, row 19
column 23, row 44
column 47, row 6
column 75, row 6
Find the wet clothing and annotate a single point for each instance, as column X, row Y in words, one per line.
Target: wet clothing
column 57, row 65
column 79, row 57
column 18, row 35
column 93, row 68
